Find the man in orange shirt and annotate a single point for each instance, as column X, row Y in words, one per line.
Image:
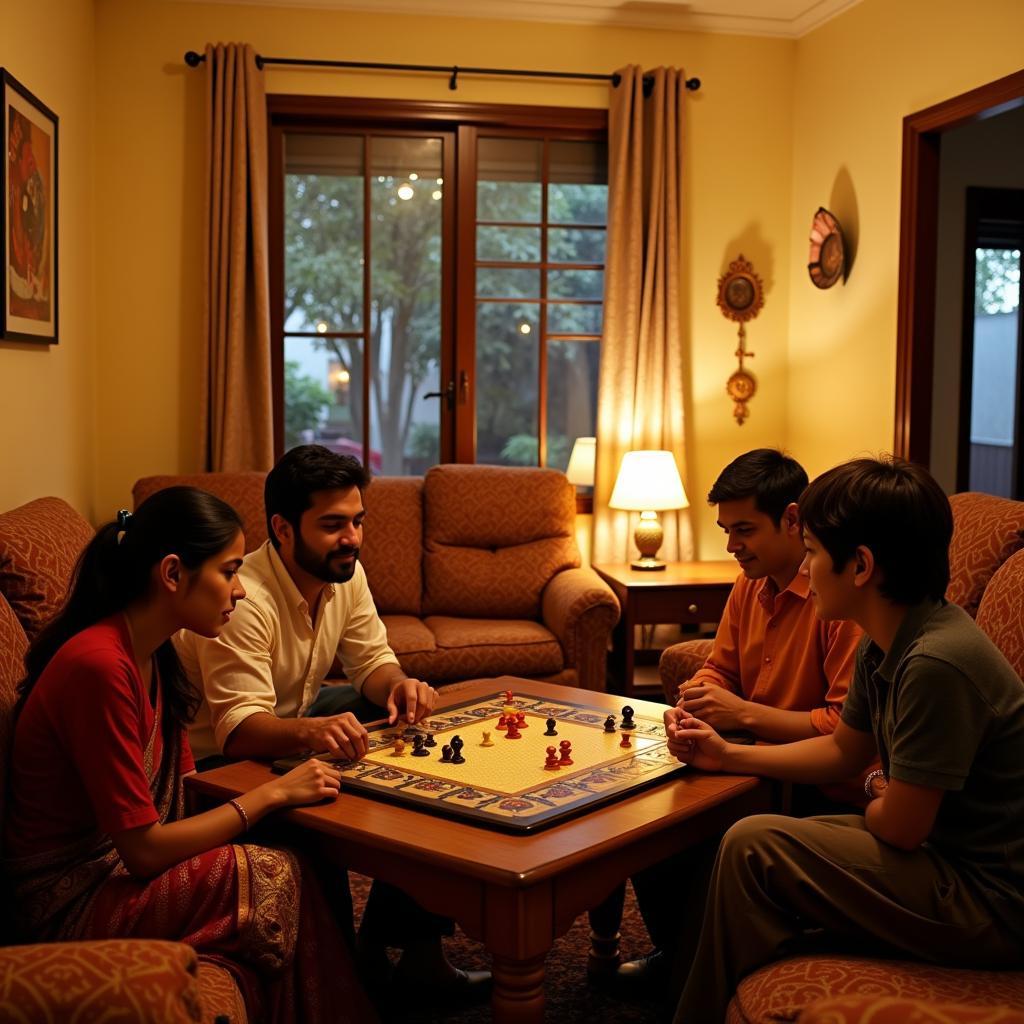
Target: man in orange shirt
column 777, row 672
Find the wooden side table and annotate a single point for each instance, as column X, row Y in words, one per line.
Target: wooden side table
column 684, row 592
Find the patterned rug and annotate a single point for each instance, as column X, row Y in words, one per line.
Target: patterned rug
column 570, row 1000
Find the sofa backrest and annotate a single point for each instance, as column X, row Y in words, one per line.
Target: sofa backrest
column 1001, row 613
column 493, row 538
column 39, row 545
column 986, row 531
column 392, row 551
column 243, row 491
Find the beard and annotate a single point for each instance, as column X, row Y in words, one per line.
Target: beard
column 330, row 568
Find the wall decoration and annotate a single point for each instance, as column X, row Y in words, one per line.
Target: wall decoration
column 827, row 260
column 28, row 219
column 740, row 298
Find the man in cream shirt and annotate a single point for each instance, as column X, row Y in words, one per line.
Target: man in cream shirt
column 307, row 603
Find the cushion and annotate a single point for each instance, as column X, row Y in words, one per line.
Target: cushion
column 408, row 635
column 895, row 1010
column 39, row 545
column 679, row 663
column 243, row 491
column 219, row 994
column 986, row 531
column 999, row 614
column 13, row 645
column 781, row 990
column 493, row 537
column 392, row 551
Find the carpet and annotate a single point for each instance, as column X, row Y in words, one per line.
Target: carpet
column 569, row 999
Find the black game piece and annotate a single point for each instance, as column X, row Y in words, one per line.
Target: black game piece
column 627, row 718
column 431, row 742
column 551, row 728
column 418, row 747
column 609, row 724
column 446, row 753
column 457, row 750
column 410, row 733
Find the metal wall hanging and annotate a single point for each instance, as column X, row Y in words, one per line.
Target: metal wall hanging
column 827, row 259
column 740, row 298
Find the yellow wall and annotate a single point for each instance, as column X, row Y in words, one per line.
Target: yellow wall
column 150, row 187
column 857, row 77
column 47, row 416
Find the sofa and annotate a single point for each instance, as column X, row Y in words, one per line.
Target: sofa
column 475, row 571
column 137, row 980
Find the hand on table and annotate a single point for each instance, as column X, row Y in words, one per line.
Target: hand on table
column 411, row 697
column 311, row 781
column 715, row 705
column 694, row 742
column 338, row 735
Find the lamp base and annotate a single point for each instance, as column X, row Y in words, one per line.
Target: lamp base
column 648, row 564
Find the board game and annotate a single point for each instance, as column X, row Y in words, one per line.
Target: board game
column 513, row 783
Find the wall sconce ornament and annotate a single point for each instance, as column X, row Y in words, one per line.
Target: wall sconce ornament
column 740, row 298
column 827, row 259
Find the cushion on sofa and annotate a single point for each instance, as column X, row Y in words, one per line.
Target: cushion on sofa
column 39, row 545
column 407, row 635
column 392, row 551
column 219, row 993
column 999, row 613
column 986, row 531
column 897, row 1010
column 780, row 991
column 493, row 538
column 243, row 491
column 12, row 669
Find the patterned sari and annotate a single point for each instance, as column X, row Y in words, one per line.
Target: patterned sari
column 255, row 910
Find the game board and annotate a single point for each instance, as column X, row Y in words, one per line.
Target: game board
column 506, row 786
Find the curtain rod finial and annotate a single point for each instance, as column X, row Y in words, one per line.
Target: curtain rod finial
column 693, row 84
column 193, row 59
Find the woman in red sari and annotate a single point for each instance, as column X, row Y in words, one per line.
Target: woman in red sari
column 97, row 842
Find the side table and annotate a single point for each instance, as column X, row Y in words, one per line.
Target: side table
column 684, row 592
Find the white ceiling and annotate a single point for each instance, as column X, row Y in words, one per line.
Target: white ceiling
column 788, row 19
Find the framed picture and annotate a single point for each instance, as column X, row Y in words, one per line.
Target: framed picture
column 28, row 217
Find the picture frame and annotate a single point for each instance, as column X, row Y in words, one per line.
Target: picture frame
column 29, row 307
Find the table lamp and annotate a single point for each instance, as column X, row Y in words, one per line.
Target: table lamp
column 580, row 470
column 648, row 483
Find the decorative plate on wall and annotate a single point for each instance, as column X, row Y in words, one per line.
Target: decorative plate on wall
column 827, row 260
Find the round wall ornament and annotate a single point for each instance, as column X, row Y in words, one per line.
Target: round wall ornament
column 827, row 258
column 740, row 298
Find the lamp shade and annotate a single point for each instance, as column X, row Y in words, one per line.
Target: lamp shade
column 648, row 481
column 580, row 470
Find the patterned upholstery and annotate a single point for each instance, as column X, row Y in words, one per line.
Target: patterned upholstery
column 896, row 1010
column 243, row 491
column 679, row 662
column 1001, row 610
column 220, row 995
column 13, row 645
column 392, row 535
column 986, row 531
column 780, row 991
column 127, row 980
column 39, row 545
column 494, row 537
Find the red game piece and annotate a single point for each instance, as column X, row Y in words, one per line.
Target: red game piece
column 502, row 724
column 566, row 747
column 521, row 722
column 625, row 740
column 513, row 731
column 509, row 698
column 551, row 764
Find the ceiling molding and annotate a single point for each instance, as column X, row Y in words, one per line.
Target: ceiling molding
column 784, row 19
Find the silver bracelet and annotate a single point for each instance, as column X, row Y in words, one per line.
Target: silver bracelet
column 871, row 776
column 241, row 813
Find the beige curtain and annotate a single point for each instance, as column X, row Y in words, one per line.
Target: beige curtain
column 640, row 387
column 237, row 406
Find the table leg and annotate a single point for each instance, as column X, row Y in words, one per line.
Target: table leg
column 605, row 920
column 518, row 996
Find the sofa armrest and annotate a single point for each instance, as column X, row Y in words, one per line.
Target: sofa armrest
column 581, row 610
column 900, row 1009
column 142, row 980
column 679, row 662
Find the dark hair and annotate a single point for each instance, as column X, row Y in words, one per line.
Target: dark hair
column 772, row 479
column 893, row 508
column 115, row 569
column 299, row 474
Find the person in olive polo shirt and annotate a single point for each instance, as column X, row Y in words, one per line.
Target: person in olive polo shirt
column 935, row 867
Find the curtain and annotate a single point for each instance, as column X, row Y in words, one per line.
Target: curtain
column 237, row 405
column 640, row 384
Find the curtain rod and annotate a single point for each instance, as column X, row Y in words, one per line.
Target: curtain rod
column 193, row 60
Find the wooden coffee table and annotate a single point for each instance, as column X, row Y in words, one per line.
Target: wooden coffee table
column 514, row 893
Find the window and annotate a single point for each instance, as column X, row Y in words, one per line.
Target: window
column 436, row 280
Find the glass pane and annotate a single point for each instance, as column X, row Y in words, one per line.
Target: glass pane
column 508, row 179
column 508, row 244
column 323, row 228
column 576, row 284
column 576, row 245
column 405, row 327
column 574, row 319
column 323, row 395
column 501, row 283
column 578, row 188
column 507, row 362
column 572, row 397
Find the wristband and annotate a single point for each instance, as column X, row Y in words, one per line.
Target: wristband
column 241, row 813
column 871, row 776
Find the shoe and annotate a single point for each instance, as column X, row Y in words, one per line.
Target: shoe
column 453, row 985
column 647, row 976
